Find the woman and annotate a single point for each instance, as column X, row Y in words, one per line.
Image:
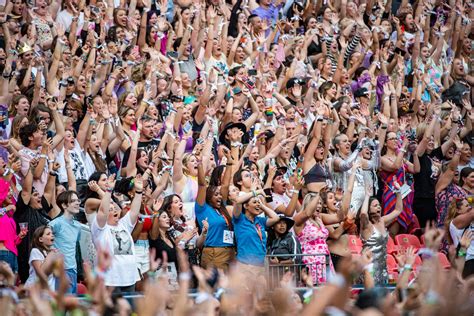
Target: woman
column 467, row 180
column 374, row 234
column 312, row 234
column 447, row 188
column 18, row 122
column 218, row 249
column 184, row 177
column 250, row 233
column 461, row 218
column 316, row 171
column 8, row 236
column 165, row 243
column 94, row 194
column 393, row 170
column 183, row 233
column 19, row 106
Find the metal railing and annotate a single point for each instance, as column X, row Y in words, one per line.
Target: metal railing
column 312, row 264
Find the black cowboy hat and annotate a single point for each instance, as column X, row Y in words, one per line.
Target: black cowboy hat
column 289, row 222
column 222, row 137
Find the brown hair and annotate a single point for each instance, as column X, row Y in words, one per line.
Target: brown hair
column 36, row 243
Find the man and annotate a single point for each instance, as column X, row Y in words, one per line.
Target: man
column 294, row 87
column 66, row 234
column 68, row 14
column 146, row 139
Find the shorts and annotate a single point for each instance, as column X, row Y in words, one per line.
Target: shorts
column 142, row 256
column 10, row 258
column 218, row 257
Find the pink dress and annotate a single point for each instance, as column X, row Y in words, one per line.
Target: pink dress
column 315, row 249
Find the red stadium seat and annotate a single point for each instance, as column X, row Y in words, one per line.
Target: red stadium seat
column 407, row 240
column 443, row 261
column 392, row 264
column 355, row 244
column 81, row 289
column 391, row 247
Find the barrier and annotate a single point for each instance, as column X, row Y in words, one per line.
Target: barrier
column 313, row 264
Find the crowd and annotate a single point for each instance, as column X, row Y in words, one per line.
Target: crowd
column 162, row 146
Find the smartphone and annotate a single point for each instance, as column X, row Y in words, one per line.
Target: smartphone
column 187, row 127
column 176, row 98
column 252, row 72
column 249, row 84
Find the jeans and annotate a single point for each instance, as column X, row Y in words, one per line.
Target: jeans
column 10, row 258
column 71, row 275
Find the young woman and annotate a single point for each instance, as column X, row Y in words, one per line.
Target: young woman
column 393, row 170
column 165, row 243
column 461, row 218
column 41, row 257
column 312, row 233
column 373, row 231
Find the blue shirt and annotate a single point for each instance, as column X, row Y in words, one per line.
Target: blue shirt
column 251, row 239
column 270, row 14
column 217, row 225
column 66, row 234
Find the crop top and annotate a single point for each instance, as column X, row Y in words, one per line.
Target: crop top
column 317, row 173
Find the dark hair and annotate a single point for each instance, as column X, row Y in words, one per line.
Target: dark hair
column 65, row 198
column 165, row 207
column 37, row 234
column 465, row 172
column 222, row 209
column 26, row 132
column 88, row 192
column 124, row 186
column 216, row 175
column 238, row 177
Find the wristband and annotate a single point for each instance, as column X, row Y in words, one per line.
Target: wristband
column 53, row 174
column 294, row 191
column 184, row 276
column 218, row 293
column 138, row 192
column 462, row 253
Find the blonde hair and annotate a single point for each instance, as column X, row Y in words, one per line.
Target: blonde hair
column 185, row 161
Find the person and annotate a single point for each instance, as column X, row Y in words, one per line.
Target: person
column 164, row 243
column 114, row 234
column 374, row 234
column 460, row 219
column 283, row 249
column 41, row 258
column 219, row 241
column 250, row 235
column 312, row 234
column 66, row 231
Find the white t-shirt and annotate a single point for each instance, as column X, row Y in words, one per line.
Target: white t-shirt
column 118, row 240
column 81, row 164
column 280, row 199
column 37, row 255
column 456, row 235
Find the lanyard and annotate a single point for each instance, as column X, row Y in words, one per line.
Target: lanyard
column 225, row 218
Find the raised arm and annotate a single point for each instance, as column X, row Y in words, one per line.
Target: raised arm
column 104, row 208
column 389, row 218
column 137, row 199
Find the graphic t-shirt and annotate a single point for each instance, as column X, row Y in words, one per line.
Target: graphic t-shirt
column 118, row 240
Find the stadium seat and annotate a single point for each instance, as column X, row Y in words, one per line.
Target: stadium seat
column 391, row 247
column 355, row 244
column 81, row 289
column 443, row 261
column 392, row 264
column 407, row 240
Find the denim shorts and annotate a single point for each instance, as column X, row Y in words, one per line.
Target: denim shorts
column 10, row 258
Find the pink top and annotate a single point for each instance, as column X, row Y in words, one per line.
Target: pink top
column 8, row 232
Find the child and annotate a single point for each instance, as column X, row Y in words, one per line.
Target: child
column 40, row 257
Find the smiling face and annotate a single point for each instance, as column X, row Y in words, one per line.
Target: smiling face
column 253, row 207
column 35, row 201
column 469, row 180
column 343, row 145
column 129, row 117
column 73, row 206
column 121, row 18
column 391, row 141
column 216, row 198
column 164, row 221
column 142, row 160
